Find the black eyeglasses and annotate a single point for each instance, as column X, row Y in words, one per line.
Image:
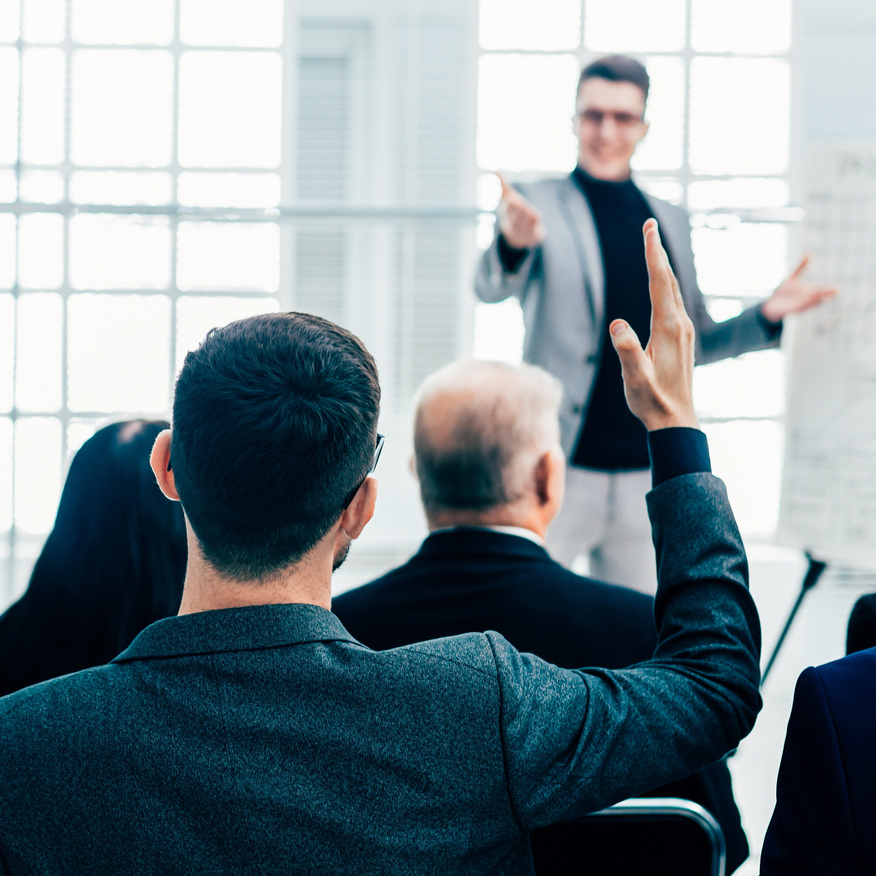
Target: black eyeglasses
column 625, row 121
column 381, row 440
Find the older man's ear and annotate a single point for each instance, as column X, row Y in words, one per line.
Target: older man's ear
column 550, row 480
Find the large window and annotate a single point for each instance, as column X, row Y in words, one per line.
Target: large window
column 720, row 110
column 170, row 165
column 167, row 166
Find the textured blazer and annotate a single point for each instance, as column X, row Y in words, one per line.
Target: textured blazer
column 267, row 740
column 471, row 580
column 561, row 288
column 824, row 822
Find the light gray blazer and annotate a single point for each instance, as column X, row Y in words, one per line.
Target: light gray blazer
column 561, row 288
column 267, row 740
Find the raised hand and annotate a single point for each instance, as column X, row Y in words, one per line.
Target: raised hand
column 658, row 381
column 795, row 295
column 519, row 222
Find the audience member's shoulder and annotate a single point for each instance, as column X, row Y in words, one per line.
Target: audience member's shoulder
column 600, row 592
column 471, row 652
column 363, row 594
column 851, row 668
column 46, row 706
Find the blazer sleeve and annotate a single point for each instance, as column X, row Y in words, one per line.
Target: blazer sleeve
column 811, row 829
column 745, row 333
column 576, row 741
column 493, row 283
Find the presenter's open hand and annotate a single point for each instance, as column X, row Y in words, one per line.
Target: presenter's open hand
column 795, row 295
column 658, row 381
column 519, row 222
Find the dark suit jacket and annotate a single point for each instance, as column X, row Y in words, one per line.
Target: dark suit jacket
column 471, row 580
column 824, row 822
column 862, row 625
column 266, row 740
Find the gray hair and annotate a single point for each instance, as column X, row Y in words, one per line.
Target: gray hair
column 479, row 429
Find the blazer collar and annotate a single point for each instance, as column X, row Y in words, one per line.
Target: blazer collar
column 475, row 539
column 236, row 629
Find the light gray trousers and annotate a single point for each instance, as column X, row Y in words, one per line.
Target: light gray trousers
column 605, row 519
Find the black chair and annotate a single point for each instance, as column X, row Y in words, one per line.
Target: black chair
column 659, row 836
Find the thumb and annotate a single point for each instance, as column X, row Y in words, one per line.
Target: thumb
column 801, row 267
column 629, row 349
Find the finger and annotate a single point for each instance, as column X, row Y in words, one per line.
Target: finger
column 629, row 350
column 660, row 279
column 801, row 267
column 507, row 191
column 523, row 210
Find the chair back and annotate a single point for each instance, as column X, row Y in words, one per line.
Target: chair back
column 652, row 836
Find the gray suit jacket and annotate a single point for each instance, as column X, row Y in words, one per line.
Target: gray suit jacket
column 561, row 287
column 267, row 740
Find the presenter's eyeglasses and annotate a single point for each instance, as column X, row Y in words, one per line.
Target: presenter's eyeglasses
column 625, row 121
column 381, row 440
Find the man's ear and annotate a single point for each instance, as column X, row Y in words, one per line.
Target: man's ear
column 550, row 478
column 357, row 514
column 161, row 465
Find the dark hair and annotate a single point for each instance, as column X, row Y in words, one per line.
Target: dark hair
column 113, row 563
column 617, row 68
column 274, row 424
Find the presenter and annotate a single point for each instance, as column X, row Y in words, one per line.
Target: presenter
column 569, row 250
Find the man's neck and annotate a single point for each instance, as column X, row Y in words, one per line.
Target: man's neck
column 206, row 589
column 499, row 517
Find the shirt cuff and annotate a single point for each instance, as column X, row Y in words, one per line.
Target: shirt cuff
column 510, row 257
column 677, row 451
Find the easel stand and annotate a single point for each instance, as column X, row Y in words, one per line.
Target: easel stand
column 810, row 579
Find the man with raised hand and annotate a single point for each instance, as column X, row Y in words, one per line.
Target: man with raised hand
column 490, row 469
column 253, row 734
column 568, row 249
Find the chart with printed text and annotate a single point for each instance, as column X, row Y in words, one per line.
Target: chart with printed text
column 828, row 502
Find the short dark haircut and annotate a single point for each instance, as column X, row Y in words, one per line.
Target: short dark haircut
column 617, row 68
column 274, row 425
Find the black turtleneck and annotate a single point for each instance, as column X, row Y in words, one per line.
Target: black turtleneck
column 611, row 437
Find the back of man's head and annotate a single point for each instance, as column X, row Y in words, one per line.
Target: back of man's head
column 274, row 424
column 480, row 429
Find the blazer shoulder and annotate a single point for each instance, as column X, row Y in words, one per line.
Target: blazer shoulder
column 547, row 189
column 855, row 673
column 470, row 652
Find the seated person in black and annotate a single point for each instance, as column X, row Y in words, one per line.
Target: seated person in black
column 862, row 625
column 491, row 473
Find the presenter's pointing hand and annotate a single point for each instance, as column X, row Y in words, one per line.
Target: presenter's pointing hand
column 658, row 381
column 795, row 295
column 519, row 222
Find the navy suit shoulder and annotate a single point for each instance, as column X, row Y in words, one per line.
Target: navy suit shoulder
column 826, row 788
column 470, row 579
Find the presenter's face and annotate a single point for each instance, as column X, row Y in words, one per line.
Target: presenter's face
column 609, row 124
